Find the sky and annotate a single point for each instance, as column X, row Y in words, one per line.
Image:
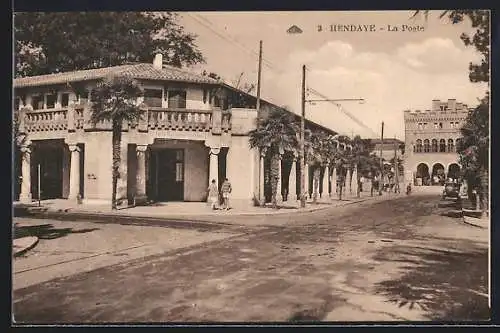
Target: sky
column 391, row 70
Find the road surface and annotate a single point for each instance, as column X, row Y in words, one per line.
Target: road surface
column 399, row 259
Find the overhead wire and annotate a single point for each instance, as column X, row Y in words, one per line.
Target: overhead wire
column 205, row 22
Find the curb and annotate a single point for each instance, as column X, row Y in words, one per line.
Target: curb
column 470, row 221
column 26, row 249
column 68, row 213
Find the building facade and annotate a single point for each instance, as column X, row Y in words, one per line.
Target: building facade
column 431, row 139
column 194, row 129
column 390, row 147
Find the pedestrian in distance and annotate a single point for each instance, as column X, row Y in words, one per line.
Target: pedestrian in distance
column 213, row 194
column 226, row 189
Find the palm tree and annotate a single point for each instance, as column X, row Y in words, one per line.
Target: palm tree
column 341, row 163
column 115, row 100
column 318, row 150
column 339, row 160
column 359, row 158
column 276, row 132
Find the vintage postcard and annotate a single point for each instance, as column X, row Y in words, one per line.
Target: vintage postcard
column 251, row 167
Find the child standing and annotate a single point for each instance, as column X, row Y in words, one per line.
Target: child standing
column 213, row 194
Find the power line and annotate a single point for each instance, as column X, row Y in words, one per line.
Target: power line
column 344, row 111
column 227, row 38
column 205, row 22
column 265, row 61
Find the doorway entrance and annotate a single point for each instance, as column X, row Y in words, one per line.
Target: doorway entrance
column 167, row 171
column 48, row 165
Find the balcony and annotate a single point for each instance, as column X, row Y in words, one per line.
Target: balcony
column 57, row 122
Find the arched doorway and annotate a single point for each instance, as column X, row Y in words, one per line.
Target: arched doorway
column 438, row 176
column 453, row 171
column 422, row 176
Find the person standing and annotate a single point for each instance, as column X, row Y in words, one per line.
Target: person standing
column 213, row 194
column 226, row 190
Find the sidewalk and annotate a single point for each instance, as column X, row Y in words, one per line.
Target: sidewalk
column 178, row 209
column 23, row 245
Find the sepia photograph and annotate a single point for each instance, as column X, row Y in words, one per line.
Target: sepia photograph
column 293, row 167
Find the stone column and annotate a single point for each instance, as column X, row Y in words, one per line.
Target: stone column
column 140, row 177
column 279, row 196
column 306, row 183
column 214, row 166
column 74, row 172
column 292, row 182
column 334, row 182
column 326, row 176
column 261, row 177
column 25, row 195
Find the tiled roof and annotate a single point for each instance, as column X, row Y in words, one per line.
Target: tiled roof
column 138, row 71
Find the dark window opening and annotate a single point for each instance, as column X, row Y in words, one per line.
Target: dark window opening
column 427, row 146
column 51, row 101
column 451, row 147
column 37, row 102
column 153, row 97
column 419, row 146
column 64, row 100
column 434, row 146
column 177, row 99
column 442, row 146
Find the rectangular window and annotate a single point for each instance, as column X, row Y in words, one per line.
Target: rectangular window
column 177, row 99
column 436, row 125
column 440, row 125
column 425, row 125
column 64, row 100
column 51, row 101
column 37, row 102
column 153, row 97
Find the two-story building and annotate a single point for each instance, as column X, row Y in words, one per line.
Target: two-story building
column 431, row 139
column 388, row 147
column 193, row 129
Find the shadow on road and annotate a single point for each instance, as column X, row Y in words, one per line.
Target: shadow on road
column 46, row 231
column 438, row 281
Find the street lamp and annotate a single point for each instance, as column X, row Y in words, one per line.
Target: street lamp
column 302, row 130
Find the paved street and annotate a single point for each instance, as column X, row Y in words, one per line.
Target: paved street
column 400, row 259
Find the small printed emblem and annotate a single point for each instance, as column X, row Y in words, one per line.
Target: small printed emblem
column 294, row 30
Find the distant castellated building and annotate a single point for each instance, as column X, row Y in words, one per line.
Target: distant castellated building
column 431, row 138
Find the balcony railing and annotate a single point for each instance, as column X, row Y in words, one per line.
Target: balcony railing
column 180, row 119
column 78, row 118
column 46, row 120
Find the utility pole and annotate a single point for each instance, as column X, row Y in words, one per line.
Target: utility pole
column 258, row 77
column 381, row 181
column 396, row 168
column 302, row 141
column 257, row 107
column 302, row 130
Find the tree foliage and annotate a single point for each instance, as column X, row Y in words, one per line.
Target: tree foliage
column 473, row 147
column 63, row 41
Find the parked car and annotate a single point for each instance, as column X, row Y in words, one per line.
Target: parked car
column 451, row 190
